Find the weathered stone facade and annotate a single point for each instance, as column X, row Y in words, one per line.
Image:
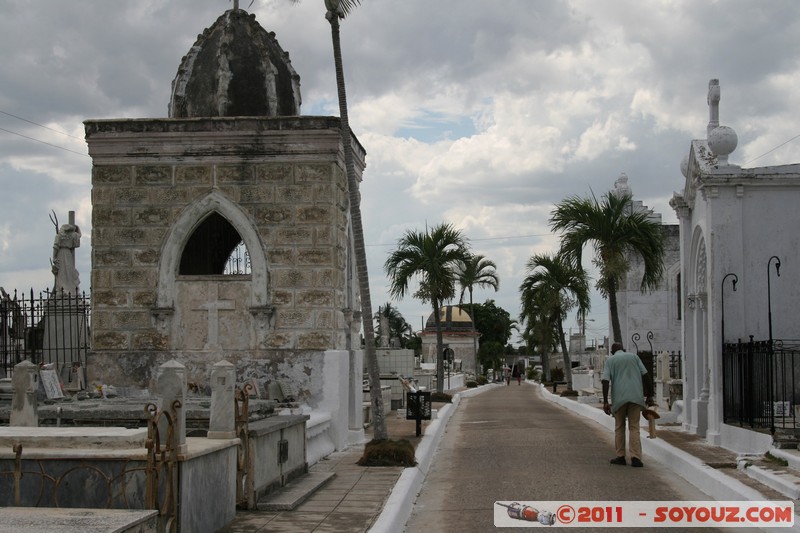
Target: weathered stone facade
column 280, row 184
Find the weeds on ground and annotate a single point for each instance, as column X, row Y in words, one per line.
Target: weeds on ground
column 388, row 453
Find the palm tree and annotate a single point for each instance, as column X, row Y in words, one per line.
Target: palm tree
column 431, row 256
column 616, row 230
column 476, row 270
column 335, row 10
column 557, row 285
column 540, row 331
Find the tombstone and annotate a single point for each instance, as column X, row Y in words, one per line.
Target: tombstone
column 25, row 386
column 222, row 419
column 73, row 377
column 171, row 388
column 50, row 384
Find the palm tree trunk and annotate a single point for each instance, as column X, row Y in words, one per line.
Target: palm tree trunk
column 565, row 353
column 612, row 307
column 437, row 320
column 373, row 370
column 474, row 335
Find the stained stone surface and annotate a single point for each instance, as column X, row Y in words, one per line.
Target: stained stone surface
column 235, row 68
column 16, row 519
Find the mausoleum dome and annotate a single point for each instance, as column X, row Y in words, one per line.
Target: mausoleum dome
column 235, row 68
column 454, row 319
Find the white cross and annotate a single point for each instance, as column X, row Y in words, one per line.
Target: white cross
column 214, row 307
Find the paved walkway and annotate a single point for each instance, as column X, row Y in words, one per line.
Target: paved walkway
column 363, row 499
column 348, row 503
column 511, row 444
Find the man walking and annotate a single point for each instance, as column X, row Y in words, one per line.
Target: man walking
column 629, row 386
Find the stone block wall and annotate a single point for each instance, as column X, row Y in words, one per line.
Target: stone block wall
column 281, row 184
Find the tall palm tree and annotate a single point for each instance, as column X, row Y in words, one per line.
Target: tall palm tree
column 335, row 10
column 558, row 285
column 478, row 271
column 430, row 256
column 615, row 230
column 540, row 331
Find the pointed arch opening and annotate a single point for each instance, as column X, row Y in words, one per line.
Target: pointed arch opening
column 238, row 235
column 214, row 247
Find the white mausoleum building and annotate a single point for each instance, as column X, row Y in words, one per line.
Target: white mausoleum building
column 736, row 224
column 650, row 317
column 457, row 334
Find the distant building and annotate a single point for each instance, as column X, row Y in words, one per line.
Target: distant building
column 656, row 312
column 457, row 334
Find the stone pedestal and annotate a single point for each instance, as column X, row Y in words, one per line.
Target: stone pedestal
column 699, row 424
column 66, row 331
column 222, row 418
column 171, row 388
column 25, row 385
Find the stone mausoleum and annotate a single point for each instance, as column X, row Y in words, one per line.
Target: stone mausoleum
column 457, row 335
column 234, row 170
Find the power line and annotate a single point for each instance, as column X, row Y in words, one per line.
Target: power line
column 40, row 125
column 43, row 142
column 486, row 239
column 770, row 151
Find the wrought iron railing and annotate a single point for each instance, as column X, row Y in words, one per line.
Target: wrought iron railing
column 675, row 365
column 161, row 492
column 244, row 460
column 759, row 383
column 47, row 328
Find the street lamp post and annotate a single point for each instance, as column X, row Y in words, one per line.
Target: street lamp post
column 769, row 348
column 722, row 303
column 769, row 294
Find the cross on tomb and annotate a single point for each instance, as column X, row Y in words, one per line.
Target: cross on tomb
column 213, row 308
column 713, row 105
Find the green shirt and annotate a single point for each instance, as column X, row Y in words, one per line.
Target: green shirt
column 624, row 370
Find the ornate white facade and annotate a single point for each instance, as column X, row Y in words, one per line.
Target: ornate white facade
column 732, row 221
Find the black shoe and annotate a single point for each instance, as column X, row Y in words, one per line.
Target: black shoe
column 635, row 461
column 619, row 461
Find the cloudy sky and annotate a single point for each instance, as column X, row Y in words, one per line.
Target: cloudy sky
column 479, row 113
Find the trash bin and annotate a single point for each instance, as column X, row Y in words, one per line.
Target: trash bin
column 418, row 405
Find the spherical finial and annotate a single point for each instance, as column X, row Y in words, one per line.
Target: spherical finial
column 685, row 166
column 722, row 141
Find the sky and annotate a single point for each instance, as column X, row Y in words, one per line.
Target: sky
column 482, row 114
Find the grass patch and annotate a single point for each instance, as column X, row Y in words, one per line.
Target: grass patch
column 388, row 453
column 777, row 460
column 441, row 397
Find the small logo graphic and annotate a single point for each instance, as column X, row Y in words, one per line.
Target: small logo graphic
column 518, row 511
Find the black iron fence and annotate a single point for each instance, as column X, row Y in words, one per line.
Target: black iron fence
column 759, row 384
column 675, row 365
column 47, row 328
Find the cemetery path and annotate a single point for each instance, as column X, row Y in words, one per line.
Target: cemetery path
column 511, row 444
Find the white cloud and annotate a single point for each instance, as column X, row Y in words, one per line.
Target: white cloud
column 479, row 116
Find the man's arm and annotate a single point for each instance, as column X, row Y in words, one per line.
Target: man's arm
column 648, row 390
column 606, row 406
